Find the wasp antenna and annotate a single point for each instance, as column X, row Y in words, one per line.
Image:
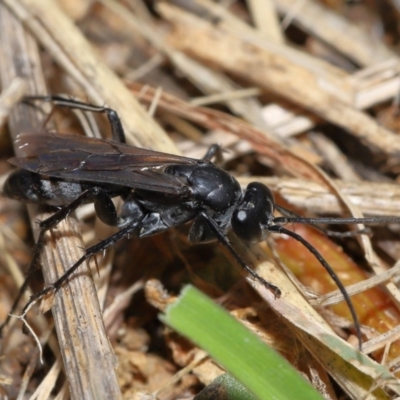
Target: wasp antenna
column 337, row 220
column 331, row 272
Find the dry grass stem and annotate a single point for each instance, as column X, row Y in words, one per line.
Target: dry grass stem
column 10, row 97
column 81, row 342
column 315, row 198
column 336, row 297
column 47, row 386
column 266, row 19
column 275, row 73
column 326, row 25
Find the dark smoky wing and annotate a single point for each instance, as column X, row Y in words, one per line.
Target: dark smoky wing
column 80, row 158
column 33, row 145
column 148, row 180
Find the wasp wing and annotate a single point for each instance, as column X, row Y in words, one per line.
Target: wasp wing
column 80, row 158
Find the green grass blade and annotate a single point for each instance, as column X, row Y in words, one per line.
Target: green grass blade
column 225, row 387
column 263, row 371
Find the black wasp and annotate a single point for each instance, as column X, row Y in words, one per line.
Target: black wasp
column 159, row 191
